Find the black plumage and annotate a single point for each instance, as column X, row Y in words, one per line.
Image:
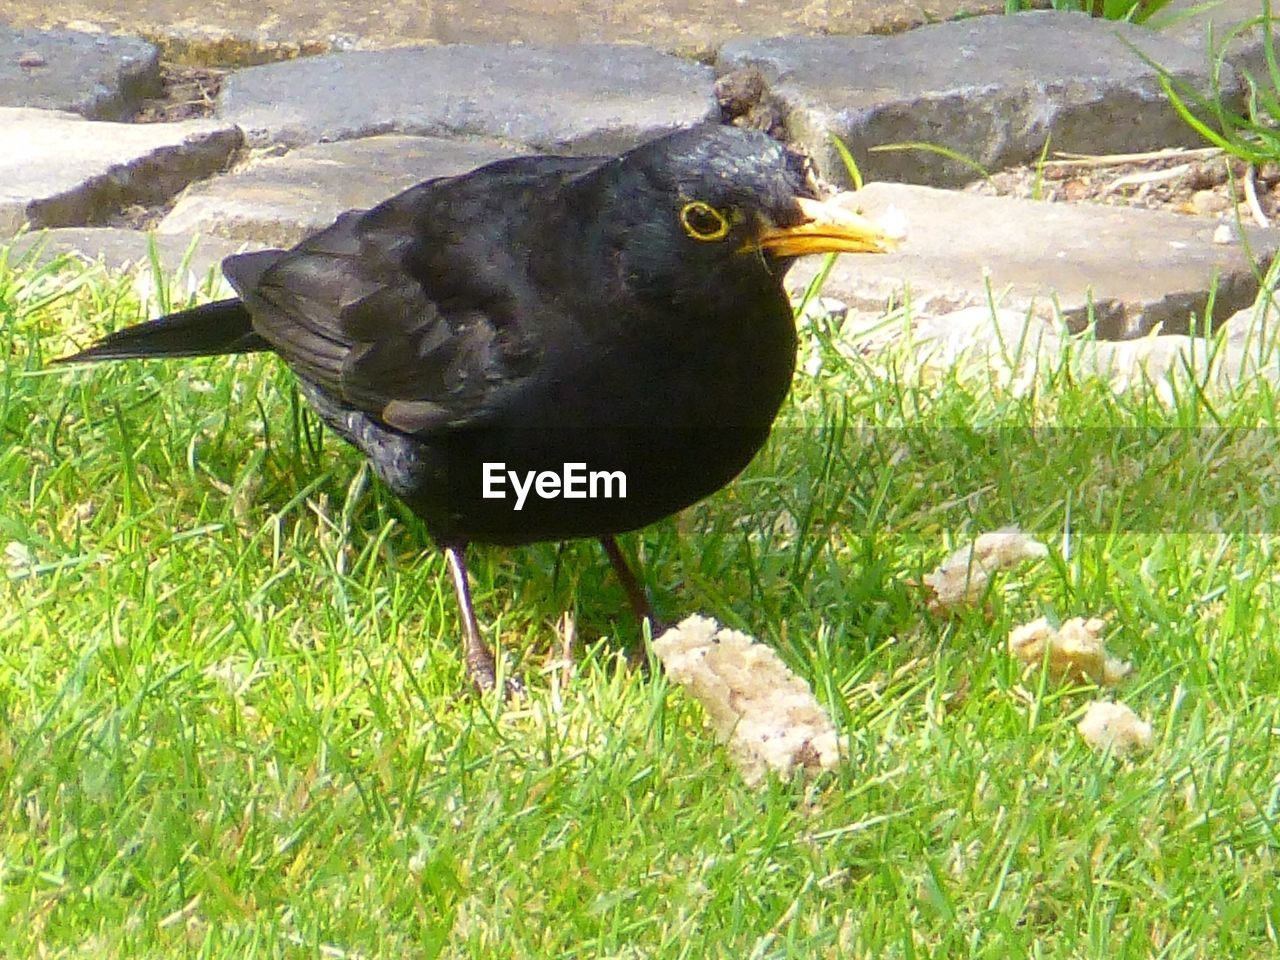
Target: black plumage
column 623, row 313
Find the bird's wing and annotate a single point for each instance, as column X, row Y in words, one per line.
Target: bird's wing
column 409, row 311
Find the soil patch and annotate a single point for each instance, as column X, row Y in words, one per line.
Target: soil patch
column 189, row 93
column 1202, row 183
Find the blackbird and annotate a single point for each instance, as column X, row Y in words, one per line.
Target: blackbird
column 607, row 335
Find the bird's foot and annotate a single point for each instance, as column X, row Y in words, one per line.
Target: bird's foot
column 657, row 626
column 638, row 654
column 482, row 670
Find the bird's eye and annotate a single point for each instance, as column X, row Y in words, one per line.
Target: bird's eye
column 703, row 221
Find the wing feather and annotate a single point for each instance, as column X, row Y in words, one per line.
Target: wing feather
column 408, row 311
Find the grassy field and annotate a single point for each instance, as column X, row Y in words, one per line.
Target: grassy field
column 233, row 721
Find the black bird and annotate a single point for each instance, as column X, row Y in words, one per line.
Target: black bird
column 619, row 316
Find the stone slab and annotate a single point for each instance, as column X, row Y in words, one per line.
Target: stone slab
column 190, row 267
column 688, row 27
column 279, row 200
column 1230, row 29
column 990, row 88
column 59, row 169
column 226, row 32
column 1135, row 269
column 100, row 77
column 120, row 249
column 588, row 99
column 1012, row 350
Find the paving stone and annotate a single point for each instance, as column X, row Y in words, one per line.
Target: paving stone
column 120, row 249
column 1135, row 269
column 1013, row 346
column 224, row 32
column 279, row 200
column 687, row 27
column 1254, row 332
column 991, row 88
column 1230, row 27
column 190, row 266
column 559, row 99
column 101, row 77
column 59, row 169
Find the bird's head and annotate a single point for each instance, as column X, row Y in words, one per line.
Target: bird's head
column 722, row 202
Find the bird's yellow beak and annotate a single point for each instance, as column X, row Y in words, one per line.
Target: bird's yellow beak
column 828, row 229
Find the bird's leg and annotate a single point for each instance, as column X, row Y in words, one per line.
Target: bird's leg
column 635, row 593
column 480, row 664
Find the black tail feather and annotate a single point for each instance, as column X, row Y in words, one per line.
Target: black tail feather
column 212, row 329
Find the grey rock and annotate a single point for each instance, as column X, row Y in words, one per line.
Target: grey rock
column 101, row 77
column 687, row 27
column 279, row 200
column 1185, row 360
column 1014, row 347
column 990, row 88
column 1257, row 326
column 237, row 34
column 1230, row 30
column 119, row 249
column 1205, row 202
column 558, row 99
column 1129, row 270
column 1002, row 337
column 61, row 170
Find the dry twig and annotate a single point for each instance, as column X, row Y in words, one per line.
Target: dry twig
column 1251, row 196
column 1062, row 159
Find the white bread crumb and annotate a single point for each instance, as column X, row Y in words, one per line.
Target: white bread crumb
column 1076, row 650
column 765, row 713
column 1110, row 724
column 963, row 577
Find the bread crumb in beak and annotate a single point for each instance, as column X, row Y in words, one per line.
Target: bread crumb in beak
column 894, row 223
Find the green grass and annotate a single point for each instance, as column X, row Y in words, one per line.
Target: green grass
column 1135, row 11
column 1246, row 130
column 232, row 718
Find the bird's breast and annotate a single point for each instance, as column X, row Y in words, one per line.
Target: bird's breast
column 605, row 440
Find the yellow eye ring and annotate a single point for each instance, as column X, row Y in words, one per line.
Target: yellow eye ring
column 703, row 221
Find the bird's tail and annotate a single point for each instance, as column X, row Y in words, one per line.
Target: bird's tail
column 211, row 329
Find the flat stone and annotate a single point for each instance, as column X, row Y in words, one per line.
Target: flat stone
column 1255, row 330
column 992, row 89
column 190, row 267
column 120, row 249
column 100, row 77
column 228, row 33
column 1226, row 29
column 1136, row 478
column 279, row 200
column 1013, row 349
column 589, row 99
column 1179, row 358
column 688, row 27
column 1132, row 270
column 58, row 169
